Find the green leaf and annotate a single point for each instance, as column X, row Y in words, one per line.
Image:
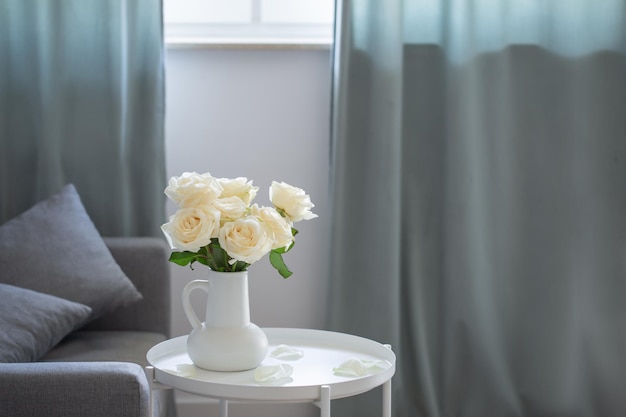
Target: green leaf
column 240, row 266
column 276, row 259
column 284, row 249
column 203, row 260
column 182, row 258
column 219, row 255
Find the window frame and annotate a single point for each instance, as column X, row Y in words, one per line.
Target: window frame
column 251, row 34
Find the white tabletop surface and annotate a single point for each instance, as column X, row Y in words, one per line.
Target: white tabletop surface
column 322, row 352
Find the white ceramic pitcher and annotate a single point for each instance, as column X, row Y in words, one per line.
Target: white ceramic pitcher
column 226, row 340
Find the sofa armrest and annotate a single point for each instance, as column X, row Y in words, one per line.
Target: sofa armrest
column 73, row 389
column 145, row 262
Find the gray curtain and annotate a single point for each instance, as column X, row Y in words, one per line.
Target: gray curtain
column 479, row 203
column 82, row 102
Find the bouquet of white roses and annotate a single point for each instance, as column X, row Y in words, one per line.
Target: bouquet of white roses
column 217, row 226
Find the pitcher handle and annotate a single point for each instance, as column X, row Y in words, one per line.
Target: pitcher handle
column 189, row 312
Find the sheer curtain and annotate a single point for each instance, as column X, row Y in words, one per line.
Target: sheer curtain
column 479, row 201
column 82, row 101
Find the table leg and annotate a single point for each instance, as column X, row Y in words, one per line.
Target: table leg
column 223, row 408
column 387, row 399
column 149, row 370
column 324, row 401
column 153, row 385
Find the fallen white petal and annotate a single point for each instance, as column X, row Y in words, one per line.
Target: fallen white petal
column 358, row 367
column 287, row 353
column 184, row 370
column 272, row 372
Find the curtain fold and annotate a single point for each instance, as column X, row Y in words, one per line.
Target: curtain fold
column 82, row 101
column 478, row 176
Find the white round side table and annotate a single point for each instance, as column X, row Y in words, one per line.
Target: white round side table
column 314, row 372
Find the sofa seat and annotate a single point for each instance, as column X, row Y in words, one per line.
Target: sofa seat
column 113, row 346
column 102, row 346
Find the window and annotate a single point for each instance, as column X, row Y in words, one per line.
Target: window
column 305, row 22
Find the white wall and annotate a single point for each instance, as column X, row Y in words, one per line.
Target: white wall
column 263, row 114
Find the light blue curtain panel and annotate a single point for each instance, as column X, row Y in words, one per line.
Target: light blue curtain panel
column 478, row 187
column 82, row 102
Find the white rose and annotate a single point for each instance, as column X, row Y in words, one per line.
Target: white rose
column 281, row 227
column 246, row 239
column 231, row 208
column 192, row 189
column 192, row 228
column 292, row 200
column 238, row 187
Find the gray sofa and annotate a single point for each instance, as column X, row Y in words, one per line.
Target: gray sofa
column 98, row 370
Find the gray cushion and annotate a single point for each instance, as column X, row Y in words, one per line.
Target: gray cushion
column 31, row 323
column 55, row 248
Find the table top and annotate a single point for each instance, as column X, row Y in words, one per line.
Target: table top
column 322, row 354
